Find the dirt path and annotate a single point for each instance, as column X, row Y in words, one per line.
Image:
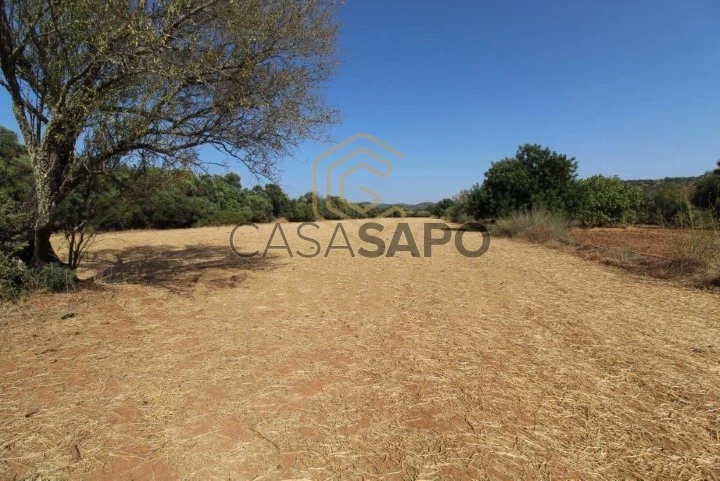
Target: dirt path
column 526, row 363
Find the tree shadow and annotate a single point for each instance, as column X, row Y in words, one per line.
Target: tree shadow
column 173, row 268
column 467, row 227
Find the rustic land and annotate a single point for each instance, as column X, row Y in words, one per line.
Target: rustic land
column 184, row 361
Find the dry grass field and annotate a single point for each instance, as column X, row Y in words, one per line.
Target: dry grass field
column 187, row 362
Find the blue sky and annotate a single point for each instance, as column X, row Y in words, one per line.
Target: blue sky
column 627, row 87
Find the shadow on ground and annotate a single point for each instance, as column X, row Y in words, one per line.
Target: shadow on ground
column 176, row 269
column 468, row 227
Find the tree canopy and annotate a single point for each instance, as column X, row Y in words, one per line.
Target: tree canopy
column 97, row 83
column 535, row 176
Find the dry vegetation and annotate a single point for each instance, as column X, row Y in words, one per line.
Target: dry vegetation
column 688, row 256
column 527, row 363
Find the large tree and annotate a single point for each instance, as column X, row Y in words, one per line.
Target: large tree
column 96, row 83
column 536, row 176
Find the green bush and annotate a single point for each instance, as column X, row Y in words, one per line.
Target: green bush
column 456, row 213
column 535, row 177
column 690, row 217
column 663, row 202
column 606, row 201
column 223, row 217
column 706, row 193
column 13, row 226
column 536, row 225
column 54, row 278
column 13, row 277
column 438, row 210
column 418, row 213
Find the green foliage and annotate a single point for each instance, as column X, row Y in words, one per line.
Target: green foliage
column 300, row 210
column 536, row 225
column 279, row 201
column 12, row 275
column 608, row 201
column 15, row 170
column 439, row 209
column 160, row 199
column 474, row 202
column 16, row 277
column 418, row 213
column 95, row 84
column 13, row 226
column 664, row 200
column 535, row 177
column 456, row 213
column 54, row 278
column 14, row 223
column 341, row 205
column 706, row 194
column 10, row 146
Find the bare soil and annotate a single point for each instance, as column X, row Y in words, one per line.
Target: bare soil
column 185, row 361
column 643, row 240
column 653, row 251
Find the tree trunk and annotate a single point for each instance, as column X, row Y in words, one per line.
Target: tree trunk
column 43, row 252
column 44, row 204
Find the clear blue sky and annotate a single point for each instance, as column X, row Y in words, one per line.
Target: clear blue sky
column 627, row 87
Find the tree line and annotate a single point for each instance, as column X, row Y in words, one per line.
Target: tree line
column 151, row 197
column 148, row 197
column 538, row 177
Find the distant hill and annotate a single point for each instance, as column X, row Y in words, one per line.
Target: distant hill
column 420, row 206
column 668, row 180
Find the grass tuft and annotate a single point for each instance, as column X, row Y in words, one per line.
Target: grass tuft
column 536, row 225
column 699, row 251
column 55, row 278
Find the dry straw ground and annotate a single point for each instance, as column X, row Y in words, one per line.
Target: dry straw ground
column 527, row 363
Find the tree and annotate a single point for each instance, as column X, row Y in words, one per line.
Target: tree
column 15, row 171
column 278, row 199
column 10, row 148
column 706, row 193
column 608, row 201
column 665, row 201
column 438, row 210
column 535, row 177
column 476, row 202
column 98, row 83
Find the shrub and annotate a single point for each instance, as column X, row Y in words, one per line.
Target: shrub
column 664, row 201
column 693, row 218
column 608, row 201
column 699, row 250
column 535, row 177
column 54, row 278
column 536, row 225
column 13, row 225
column 706, row 193
column 12, row 277
column 419, row 213
column 456, row 213
column 438, row 210
column 223, row 217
